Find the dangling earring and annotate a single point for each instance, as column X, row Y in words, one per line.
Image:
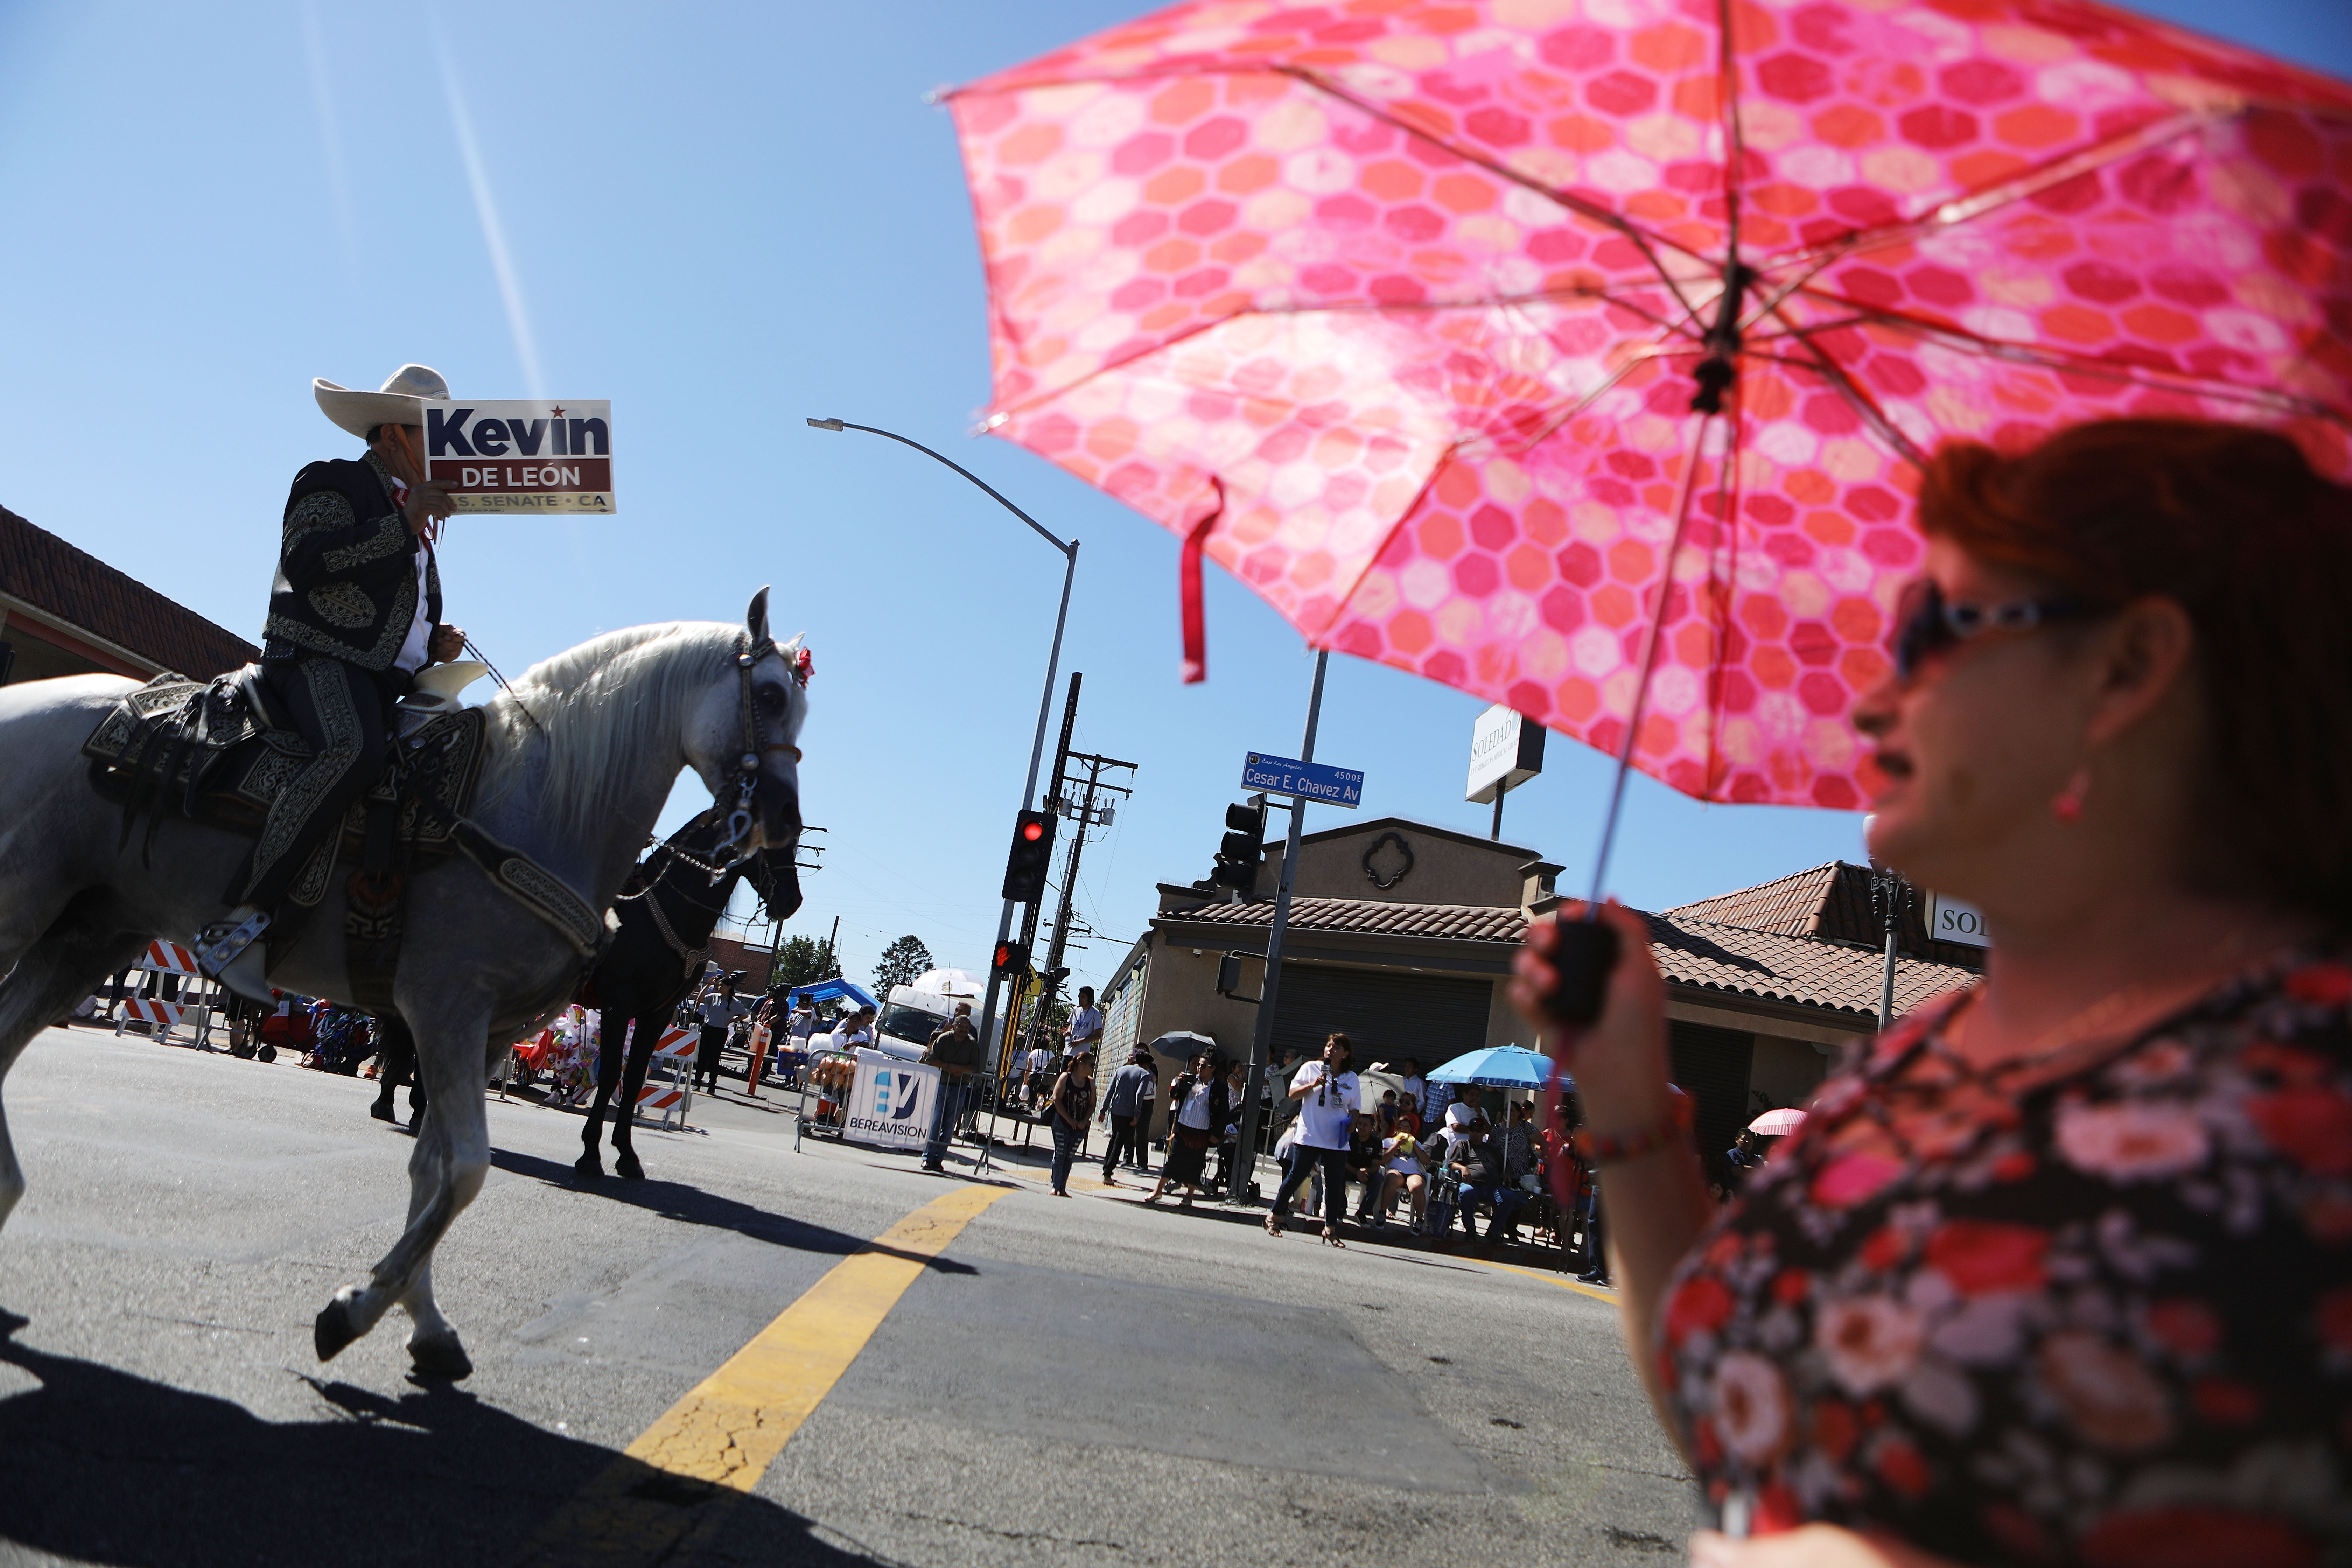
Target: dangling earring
column 2067, row 808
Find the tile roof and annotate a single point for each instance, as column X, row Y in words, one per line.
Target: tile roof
column 1772, row 965
column 1473, row 922
column 1833, row 900
column 84, row 592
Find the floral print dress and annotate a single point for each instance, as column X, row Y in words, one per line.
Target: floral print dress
column 2096, row 1311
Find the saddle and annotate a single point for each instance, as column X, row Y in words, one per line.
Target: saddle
column 217, row 753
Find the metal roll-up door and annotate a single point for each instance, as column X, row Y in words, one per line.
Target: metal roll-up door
column 1712, row 1066
column 1384, row 1014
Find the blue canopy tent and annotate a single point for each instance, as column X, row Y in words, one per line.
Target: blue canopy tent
column 830, row 990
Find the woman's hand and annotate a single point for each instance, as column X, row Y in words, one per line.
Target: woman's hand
column 1619, row 1060
column 1808, row 1546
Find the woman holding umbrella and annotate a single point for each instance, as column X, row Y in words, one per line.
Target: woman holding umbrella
column 2064, row 1262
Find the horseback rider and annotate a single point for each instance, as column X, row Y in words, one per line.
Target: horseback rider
column 354, row 613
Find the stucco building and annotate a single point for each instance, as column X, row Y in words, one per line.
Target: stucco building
column 1401, row 934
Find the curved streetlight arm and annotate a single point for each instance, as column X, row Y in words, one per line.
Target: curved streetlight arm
column 1042, row 533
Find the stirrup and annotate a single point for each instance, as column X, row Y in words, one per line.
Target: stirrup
column 225, row 953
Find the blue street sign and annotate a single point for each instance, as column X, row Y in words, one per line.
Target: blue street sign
column 1309, row 781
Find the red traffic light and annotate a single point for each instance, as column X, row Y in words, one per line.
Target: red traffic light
column 1024, row 868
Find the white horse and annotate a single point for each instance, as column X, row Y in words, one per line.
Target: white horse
column 579, row 759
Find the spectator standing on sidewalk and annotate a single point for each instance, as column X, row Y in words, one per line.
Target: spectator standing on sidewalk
column 1124, row 1106
column 1197, row 1108
column 954, row 1049
column 1073, row 1102
column 1086, row 1027
column 714, row 1012
column 1326, row 1093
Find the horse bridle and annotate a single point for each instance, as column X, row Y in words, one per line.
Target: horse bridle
column 748, row 653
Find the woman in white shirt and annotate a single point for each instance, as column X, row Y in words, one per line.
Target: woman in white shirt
column 1326, row 1093
column 1196, row 1106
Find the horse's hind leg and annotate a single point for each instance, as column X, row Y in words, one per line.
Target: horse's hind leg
column 66, row 963
column 451, row 1159
column 625, row 1117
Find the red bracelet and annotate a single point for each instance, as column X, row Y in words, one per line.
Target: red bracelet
column 1674, row 1127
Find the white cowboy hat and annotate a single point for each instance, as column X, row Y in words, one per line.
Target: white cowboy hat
column 399, row 402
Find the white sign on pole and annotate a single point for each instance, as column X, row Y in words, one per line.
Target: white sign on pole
column 890, row 1102
column 1506, row 752
column 534, row 455
column 1948, row 920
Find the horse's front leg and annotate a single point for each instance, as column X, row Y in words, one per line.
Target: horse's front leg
column 447, row 1167
column 608, row 1073
column 633, row 1082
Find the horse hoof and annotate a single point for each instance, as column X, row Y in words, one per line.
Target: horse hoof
column 440, row 1358
column 589, row 1165
column 332, row 1329
column 625, row 1164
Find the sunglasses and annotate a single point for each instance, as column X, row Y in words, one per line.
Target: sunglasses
column 1926, row 623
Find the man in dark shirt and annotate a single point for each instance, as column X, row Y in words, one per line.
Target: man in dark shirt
column 954, row 1049
column 1126, row 1100
column 354, row 613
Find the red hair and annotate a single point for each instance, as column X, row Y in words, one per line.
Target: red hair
column 2232, row 523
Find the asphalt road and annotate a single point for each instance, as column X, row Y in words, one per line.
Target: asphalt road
column 1079, row 1380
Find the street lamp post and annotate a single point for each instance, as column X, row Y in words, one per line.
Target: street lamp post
column 1891, row 893
column 1053, row 665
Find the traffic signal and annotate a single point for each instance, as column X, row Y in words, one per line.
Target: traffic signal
column 1053, row 980
column 1032, row 847
column 1010, row 959
column 1243, row 847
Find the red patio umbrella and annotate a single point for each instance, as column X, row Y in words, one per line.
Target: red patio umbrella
column 1581, row 354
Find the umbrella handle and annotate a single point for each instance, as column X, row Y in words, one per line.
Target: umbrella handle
column 1583, row 953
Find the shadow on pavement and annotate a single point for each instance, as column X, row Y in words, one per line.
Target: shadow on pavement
column 105, row 1467
column 692, row 1206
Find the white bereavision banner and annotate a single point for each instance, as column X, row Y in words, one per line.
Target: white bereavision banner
column 890, row 1102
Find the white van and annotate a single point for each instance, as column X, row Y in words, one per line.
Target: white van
column 912, row 1014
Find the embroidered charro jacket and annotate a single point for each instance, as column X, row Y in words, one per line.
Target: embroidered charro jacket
column 346, row 582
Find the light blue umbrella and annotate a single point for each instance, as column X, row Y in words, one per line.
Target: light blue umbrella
column 1498, row 1066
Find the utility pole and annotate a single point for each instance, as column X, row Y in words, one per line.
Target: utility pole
column 1084, row 810
column 1262, row 1041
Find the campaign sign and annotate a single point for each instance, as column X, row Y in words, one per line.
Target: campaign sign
column 1307, row 781
column 521, row 455
column 890, row 1102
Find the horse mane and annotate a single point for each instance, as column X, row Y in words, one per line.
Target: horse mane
column 599, row 705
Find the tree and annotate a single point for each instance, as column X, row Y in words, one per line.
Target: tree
column 801, row 960
column 902, row 961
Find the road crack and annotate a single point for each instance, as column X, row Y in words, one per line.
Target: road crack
column 1018, row 1534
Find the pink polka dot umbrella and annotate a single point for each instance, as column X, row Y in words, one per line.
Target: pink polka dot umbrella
column 1581, row 354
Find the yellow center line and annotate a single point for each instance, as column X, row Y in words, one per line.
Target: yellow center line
column 711, row 1448
column 1578, row 1286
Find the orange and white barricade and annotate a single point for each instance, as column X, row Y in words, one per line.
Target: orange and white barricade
column 169, row 958
column 675, row 1051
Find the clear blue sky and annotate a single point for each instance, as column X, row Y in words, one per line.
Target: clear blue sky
column 724, row 218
